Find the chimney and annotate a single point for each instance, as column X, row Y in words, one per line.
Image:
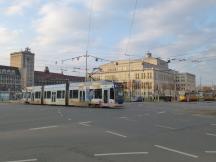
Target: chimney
column 46, row 70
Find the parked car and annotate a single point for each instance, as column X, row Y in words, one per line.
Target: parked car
column 138, row 99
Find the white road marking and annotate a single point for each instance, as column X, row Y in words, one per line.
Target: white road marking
column 69, row 118
column 196, row 115
column 200, row 115
column 28, row 160
column 121, row 153
column 85, row 123
column 130, row 120
column 161, row 112
column 210, row 152
column 213, row 124
column 126, row 118
column 123, row 117
column 211, row 134
column 146, row 114
column 40, row 128
column 176, row 151
column 167, row 127
column 117, row 134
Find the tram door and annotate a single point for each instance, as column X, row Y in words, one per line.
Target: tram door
column 105, row 96
column 53, row 96
column 32, row 97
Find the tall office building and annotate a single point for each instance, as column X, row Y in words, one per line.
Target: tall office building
column 24, row 60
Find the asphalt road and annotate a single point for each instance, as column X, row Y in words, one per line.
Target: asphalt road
column 141, row 132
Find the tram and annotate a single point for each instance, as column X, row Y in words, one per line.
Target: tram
column 188, row 97
column 80, row 94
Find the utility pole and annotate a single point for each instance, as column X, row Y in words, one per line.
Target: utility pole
column 86, row 56
column 200, row 83
column 130, row 79
column 174, row 85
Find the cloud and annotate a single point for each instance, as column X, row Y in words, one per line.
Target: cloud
column 7, row 36
column 60, row 24
column 170, row 24
column 168, row 28
column 19, row 6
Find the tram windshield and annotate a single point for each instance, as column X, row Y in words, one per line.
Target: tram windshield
column 119, row 93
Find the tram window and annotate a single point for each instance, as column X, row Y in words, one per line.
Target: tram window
column 111, row 93
column 63, row 94
column 37, row 94
column 75, row 93
column 48, row 94
column 59, row 94
column 98, row 93
column 71, row 93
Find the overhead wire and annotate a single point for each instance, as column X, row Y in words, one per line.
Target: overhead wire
column 89, row 24
column 131, row 26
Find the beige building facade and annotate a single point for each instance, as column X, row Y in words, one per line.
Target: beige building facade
column 185, row 82
column 149, row 77
column 24, row 60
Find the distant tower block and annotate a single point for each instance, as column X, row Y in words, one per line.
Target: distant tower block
column 24, row 60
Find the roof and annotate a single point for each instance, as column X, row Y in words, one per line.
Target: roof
column 10, row 68
column 26, row 51
column 40, row 75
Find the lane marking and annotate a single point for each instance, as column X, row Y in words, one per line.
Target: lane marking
column 126, row 118
column 213, row 124
column 117, row 134
column 176, row 151
column 27, row 160
column 196, row 114
column 161, row 112
column 211, row 134
column 85, row 123
column 200, row 115
column 69, row 118
column 40, row 128
column 210, row 152
column 123, row 117
column 167, row 127
column 131, row 120
column 121, row 153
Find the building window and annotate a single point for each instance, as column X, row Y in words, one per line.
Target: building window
column 142, row 76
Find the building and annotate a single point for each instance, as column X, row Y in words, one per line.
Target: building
column 9, row 82
column 185, row 82
column 149, row 77
column 24, row 60
column 48, row 78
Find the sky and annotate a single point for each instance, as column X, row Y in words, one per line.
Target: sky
column 181, row 30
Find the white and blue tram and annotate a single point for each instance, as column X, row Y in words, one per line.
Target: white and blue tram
column 81, row 94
